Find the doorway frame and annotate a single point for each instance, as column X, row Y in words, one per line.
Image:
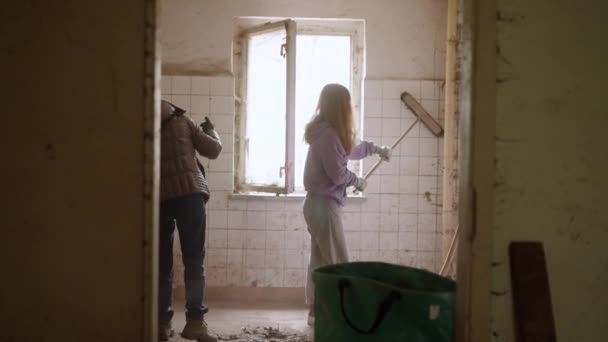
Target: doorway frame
column 477, row 119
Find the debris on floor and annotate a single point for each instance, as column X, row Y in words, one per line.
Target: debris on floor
column 266, row 334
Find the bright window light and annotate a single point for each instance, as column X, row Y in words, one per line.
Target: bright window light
column 320, row 59
column 266, row 102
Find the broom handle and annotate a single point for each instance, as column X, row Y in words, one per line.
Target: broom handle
column 371, row 171
column 450, row 256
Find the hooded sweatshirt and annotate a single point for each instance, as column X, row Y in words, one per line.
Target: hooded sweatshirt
column 180, row 140
column 325, row 171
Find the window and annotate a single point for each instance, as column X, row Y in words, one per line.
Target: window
column 280, row 69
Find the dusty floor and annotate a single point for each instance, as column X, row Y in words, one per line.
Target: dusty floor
column 252, row 322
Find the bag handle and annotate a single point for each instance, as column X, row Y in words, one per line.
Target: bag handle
column 381, row 312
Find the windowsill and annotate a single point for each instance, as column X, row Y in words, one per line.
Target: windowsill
column 298, row 196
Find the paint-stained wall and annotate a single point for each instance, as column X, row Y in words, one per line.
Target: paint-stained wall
column 551, row 159
column 72, row 137
column 405, row 38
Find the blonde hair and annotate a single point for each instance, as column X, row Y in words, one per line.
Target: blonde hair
column 335, row 109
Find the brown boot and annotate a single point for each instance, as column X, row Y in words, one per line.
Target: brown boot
column 164, row 331
column 197, row 330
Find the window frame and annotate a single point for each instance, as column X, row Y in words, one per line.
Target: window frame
column 244, row 28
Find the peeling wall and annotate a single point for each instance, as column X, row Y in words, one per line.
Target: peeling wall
column 72, row 177
column 551, row 160
column 405, row 38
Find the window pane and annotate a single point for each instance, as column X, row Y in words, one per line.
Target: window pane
column 320, row 60
column 265, row 130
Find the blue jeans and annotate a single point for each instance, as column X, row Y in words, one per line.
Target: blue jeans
column 188, row 213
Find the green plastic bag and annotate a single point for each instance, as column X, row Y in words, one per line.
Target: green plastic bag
column 373, row 301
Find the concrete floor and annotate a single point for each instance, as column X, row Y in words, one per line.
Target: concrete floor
column 227, row 319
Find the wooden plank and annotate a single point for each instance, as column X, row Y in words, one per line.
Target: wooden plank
column 532, row 309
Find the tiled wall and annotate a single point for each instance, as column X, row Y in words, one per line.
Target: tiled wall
column 264, row 242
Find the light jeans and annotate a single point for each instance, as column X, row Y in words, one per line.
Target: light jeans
column 327, row 244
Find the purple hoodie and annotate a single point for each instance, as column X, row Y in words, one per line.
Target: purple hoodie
column 325, row 172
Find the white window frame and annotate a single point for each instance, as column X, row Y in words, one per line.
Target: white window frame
column 247, row 26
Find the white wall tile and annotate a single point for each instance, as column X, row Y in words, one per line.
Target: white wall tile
column 201, row 85
column 427, row 204
column 295, row 259
column 429, row 147
column 389, row 203
column 237, row 219
column 428, row 184
column 409, row 166
column 391, row 127
column 372, row 108
column 371, row 204
column 391, row 90
column 222, row 86
column 256, row 220
column 353, row 240
column 275, row 204
column 407, row 258
column 181, row 85
column 275, row 220
column 255, row 258
column 253, row 276
column 408, row 185
column 256, row 204
column 237, row 204
column 429, row 90
column 389, row 221
column 274, row 258
column 295, row 221
column 274, row 277
column 370, row 222
column 295, row 278
column 427, row 223
column 216, row 276
column 236, row 239
column 426, row 260
column 199, row 104
column 428, row 166
column 275, row 239
column 389, row 241
column 369, row 241
column 408, row 203
column 234, row 257
column 407, row 241
column 293, row 240
column 165, row 85
column 218, row 219
column 221, row 104
column 373, row 89
column 351, row 221
column 216, row 257
column 409, row 147
column 389, row 184
column 391, row 108
column 255, row 239
column 234, row 275
column 218, row 238
column 425, row 242
column 408, row 222
column 372, row 127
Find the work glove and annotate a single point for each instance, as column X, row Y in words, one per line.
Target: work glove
column 384, row 152
column 207, row 125
column 360, row 184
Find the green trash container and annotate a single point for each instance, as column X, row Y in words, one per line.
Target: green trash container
column 374, row 301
